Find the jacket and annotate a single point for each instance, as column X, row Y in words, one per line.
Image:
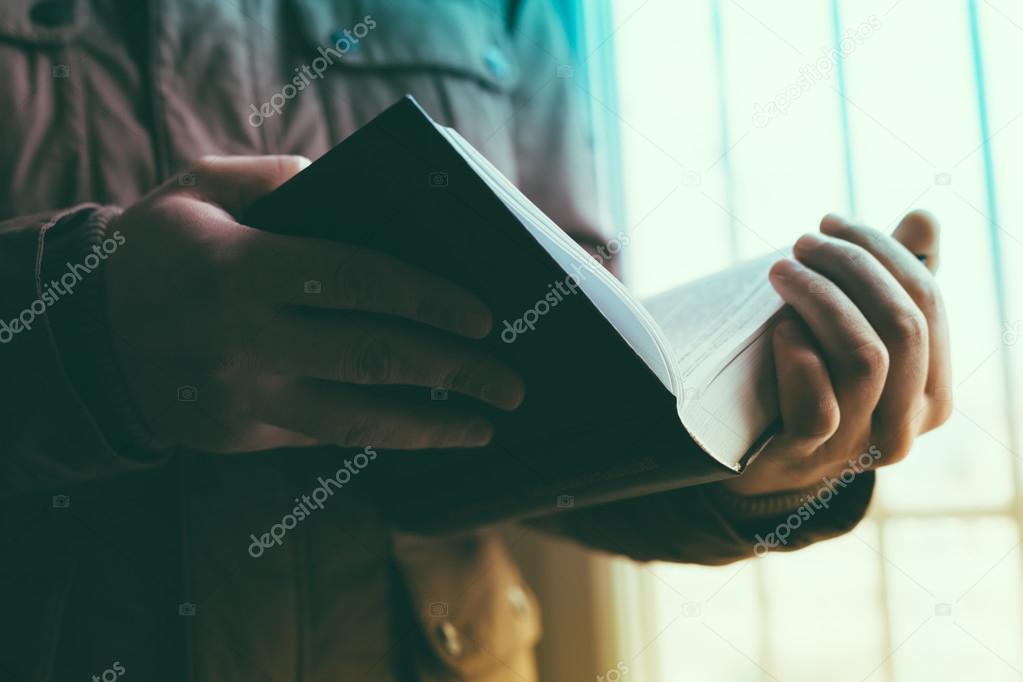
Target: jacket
column 124, row 556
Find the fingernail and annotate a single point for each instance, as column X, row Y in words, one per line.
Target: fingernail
column 505, row 395
column 783, row 269
column 478, row 433
column 440, row 316
column 453, row 319
column 476, row 326
column 810, row 240
column 833, row 221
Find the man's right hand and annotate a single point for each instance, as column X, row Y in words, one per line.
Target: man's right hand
column 233, row 339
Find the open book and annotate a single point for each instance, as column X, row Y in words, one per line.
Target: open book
column 704, row 340
column 622, row 398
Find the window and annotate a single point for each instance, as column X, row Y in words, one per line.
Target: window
column 739, row 124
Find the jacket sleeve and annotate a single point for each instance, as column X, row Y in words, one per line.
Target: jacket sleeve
column 709, row 525
column 705, row 524
column 66, row 415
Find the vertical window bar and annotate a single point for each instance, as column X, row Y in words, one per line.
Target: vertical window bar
column 887, row 641
column 726, row 138
column 766, row 650
column 600, row 72
column 997, row 263
column 843, row 107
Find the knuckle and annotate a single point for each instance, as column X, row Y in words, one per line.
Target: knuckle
column 209, row 281
column 871, row 235
column 242, row 270
column 911, row 329
column 352, row 285
column 849, row 249
column 360, row 431
column 372, row 363
column 311, row 424
column 868, row 362
column 242, row 406
column 820, row 422
column 853, row 251
column 925, row 294
column 864, row 234
column 461, row 378
column 226, row 365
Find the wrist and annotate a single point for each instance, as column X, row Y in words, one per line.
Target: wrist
column 742, row 504
column 72, row 280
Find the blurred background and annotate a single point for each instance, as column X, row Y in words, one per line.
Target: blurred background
column 726, row 129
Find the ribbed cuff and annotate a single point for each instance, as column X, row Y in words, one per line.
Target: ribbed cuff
column 71, row 275
column 793, row 519
column 756, row 506
column 746, row 507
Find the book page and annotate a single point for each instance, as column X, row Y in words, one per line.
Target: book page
column 709, row 320
column 703, row 340
column 717, row 327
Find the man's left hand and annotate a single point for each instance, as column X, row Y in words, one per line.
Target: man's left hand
column 865, row 367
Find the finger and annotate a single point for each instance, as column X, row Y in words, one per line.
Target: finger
column 353, row 416
column 919, row 232
column 900, row 259
column 893, row 316
column 806, row 399
column 322, row 274
column 921, row 287
column 268, row 437
column 856, row 357
column 378, row 351
column 235, row 182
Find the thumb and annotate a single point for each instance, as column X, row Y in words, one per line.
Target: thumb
column 235, row 182
column 919, row 232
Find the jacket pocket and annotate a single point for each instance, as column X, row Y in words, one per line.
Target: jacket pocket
column 43, row 23
column 462, row 38
column 480, row 619
column 456, row 57
column 41, row 97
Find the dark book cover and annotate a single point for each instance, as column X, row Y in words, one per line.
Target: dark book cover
column 596, row 424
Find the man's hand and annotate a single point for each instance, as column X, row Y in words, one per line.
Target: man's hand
column 865, row 368
column 233, row 339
